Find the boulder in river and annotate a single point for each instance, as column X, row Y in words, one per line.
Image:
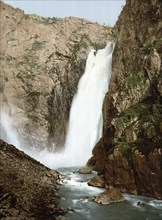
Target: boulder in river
column 109, row 196
column 85, row 171
column 97, row 181
column 60, row 217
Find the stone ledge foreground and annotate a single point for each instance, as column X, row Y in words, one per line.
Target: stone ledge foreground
column 28, row 189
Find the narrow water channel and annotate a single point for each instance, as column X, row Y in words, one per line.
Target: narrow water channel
column 77, row 196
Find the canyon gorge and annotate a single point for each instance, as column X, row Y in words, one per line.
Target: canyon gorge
column 42, row 61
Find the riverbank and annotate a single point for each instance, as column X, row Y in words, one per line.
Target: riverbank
column 28, row 189
column 77, row 198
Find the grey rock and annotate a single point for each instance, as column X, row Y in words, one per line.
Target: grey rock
column 109, row 196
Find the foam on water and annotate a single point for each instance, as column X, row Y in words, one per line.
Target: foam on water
column 141, row 202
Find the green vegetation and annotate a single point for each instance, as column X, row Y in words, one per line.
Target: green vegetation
column 36, row 36
column 26, row 16
column 137, row 77
column 75, row 48
column 136, row 111
column 38, row 45
column 42, row 20
column 20, row 76
column 146, row 114
column 143, row 146
column 146, row 146
column 30, row 63
column 5, row 57
column 83, row 43
column 25, row 75
column 34, row 118
column 146, row 111
column 125, row 148
column 154, row 42
column 48, row 20
column 33, row 100
column 98, row 46
column 134, row 80
column 1, row 88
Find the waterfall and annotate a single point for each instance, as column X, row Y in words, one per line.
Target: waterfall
column 85, row 122
column 7, row 131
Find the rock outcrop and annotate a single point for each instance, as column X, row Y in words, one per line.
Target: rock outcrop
column 108, row 197
column 129, row 155
column 85, row 171
column 42, row 60
column 28, row 189
column 97, row 181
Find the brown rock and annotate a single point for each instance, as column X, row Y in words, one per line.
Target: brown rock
column 148, row 173
column 151, row 132
column 13, row 212
column 60, row 217
column 95, row 161
column 109, row 196
column 118, row 172
column 85, row 171
column 130, row 155
column 27, row 187
column 97, row 181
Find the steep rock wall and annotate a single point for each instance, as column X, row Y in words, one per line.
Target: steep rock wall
column 42, row 60
column 129, row 153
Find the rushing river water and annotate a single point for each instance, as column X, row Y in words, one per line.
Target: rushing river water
column 77, row 196
column 85, row 129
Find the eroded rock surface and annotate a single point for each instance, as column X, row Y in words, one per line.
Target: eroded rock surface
column 97, row 181
column 129, row 153
column 42, row 60
column 85, row 171
column 28, row 189
column 109, row 196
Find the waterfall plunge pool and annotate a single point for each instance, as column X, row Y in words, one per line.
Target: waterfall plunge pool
column 76, row 195
column 85, row 117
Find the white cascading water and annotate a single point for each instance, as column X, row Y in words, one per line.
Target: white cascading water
column 85, row 123
column 7, row 131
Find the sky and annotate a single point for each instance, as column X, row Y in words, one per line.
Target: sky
column 101, row 11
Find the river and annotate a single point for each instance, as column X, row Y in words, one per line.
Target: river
column 77, row 196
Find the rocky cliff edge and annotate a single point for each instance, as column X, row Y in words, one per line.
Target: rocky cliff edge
column 129, row 155
column 42, row 60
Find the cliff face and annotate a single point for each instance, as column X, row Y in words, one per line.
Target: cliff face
column 129, row 153
column 42, row 60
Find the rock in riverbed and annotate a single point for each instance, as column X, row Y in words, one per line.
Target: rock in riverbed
column 97, row 181
column 109, row 196
column 85, row 171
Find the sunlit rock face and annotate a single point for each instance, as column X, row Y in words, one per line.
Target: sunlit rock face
column 42, row 60
column 129, row 153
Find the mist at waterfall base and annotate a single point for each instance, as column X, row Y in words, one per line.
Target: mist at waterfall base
column 85, row 129
column 85, row 122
